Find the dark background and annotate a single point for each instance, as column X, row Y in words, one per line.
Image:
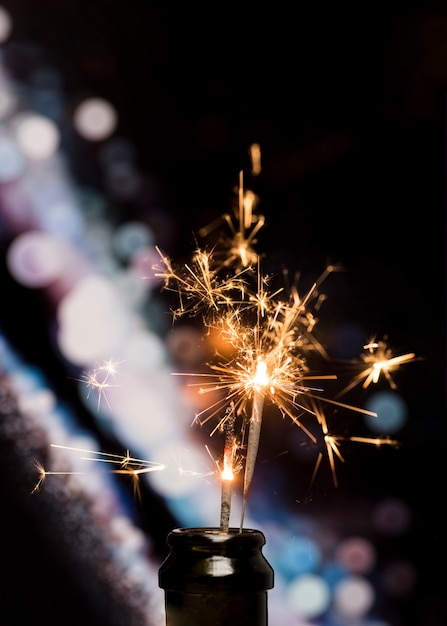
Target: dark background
column 349, row 109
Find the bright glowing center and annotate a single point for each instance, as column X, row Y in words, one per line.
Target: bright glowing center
column 227, row 472
column 379, row 367
column 261, row 377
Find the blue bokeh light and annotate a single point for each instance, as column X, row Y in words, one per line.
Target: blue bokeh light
column 391, row 412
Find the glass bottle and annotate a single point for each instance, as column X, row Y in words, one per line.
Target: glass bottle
column 215, row 578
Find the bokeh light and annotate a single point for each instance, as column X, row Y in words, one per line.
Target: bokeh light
column 356, row 554
column 130, row 238
column 399, row 578
column 391, row 412
column 93, row 321
column 309, row 596
column 36, row 259
column 95, row 119
column 391, row 516
column 6, row 24
column 37, row 136
column 299, row 555
column 354, row 596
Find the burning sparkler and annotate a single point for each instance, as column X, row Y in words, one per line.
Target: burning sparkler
column 228, row 469
column 269, row 344
column 268, row 338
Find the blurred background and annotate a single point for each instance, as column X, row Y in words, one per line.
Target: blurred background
column 124, row 127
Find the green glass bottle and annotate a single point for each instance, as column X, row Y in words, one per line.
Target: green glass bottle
column 215, row 578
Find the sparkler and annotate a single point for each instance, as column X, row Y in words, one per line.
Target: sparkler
column 227, row 474
column 268, row 338
column 266, row 345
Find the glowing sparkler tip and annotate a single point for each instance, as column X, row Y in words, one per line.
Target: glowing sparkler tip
column 227, row 474
column 261, row 378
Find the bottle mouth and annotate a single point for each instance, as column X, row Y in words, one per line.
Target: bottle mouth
column 207, row 558
column 215, row 536
column 215, row 531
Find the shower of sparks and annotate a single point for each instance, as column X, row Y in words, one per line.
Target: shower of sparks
column 127, row 465
column 268, row 339
column 380, row 361
column 99, row 379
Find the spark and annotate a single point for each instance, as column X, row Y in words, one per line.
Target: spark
column 376, row 441
column 43, row 473
column 238, row 249
column 332, row 445
column 127, row 462
column 255, row 156
column 198, row 284
column 98, row 379
column 380, row 362
column 128, row 465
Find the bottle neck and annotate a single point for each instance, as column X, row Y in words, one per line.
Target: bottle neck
column 212, row 578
